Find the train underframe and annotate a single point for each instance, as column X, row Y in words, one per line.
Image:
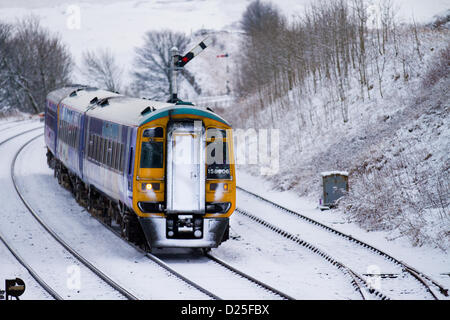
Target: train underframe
column 115, row 214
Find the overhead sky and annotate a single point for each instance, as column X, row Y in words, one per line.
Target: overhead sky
column 422, row 10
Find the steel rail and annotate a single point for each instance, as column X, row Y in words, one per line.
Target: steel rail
column 33, row 273
column 412, row 271
column 2, row 128
column 355, row 277
column 250, row 278
column 148, row 255
column 79, row 257
column 160, row 262
column 19, row 134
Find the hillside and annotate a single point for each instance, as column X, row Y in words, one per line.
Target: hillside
column 394, row 142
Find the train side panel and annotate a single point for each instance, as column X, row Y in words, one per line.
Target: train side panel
column 106, row 157
column 67, row 145
column 51, row 124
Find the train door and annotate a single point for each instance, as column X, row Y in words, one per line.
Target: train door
column 185, row 167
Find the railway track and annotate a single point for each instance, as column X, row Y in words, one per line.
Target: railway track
column 422, row 279
column 237, row 274
column 84, row 261
column 20, row 134
column 124, row 292
column 13, row 124
column 257, row 282
column 221, row 278
column 210, row 257
column 358, row 282
column 33, row 273
column 213, row 260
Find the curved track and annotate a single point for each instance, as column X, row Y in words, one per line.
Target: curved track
column 215, row 263
column 80, row 258
column 422, row 279
column 356, row 279
column 84, row 261
column 33, row 273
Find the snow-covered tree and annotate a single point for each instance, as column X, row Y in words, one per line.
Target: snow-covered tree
column 33, row 62
column 152, row 75
column 101, row 69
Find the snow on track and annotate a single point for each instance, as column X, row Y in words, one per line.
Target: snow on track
column 11, row 269
column 50, row 261
column 10, row 132
column 13, row 124
column 214, row 277
column 90, row 238
column 361, row 260
column 282, row 263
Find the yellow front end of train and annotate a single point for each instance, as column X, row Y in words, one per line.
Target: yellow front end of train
column 184, row 182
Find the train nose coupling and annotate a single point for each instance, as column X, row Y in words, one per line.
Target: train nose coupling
column 184, row 227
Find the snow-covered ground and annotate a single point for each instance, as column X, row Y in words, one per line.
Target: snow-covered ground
column 431, row 261
column 120, row 25
column 251, row 248
column 287, row 268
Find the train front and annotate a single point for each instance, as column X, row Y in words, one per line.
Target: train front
column 185, row 181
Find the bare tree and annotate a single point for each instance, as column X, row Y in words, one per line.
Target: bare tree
column 34, row 62
column 5, row 35
column 101, row 69
column 152, row 76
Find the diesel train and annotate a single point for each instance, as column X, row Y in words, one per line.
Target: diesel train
column 161, row 172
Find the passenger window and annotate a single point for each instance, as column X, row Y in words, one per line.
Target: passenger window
column 114, row 155
column 100, row 149
column 104, row 149
column 108, row 153
column 121, row 158
column 95, row 154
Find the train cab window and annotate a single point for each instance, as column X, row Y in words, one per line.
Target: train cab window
column 157, row 132
column 152, row 154
column 217, row 154
column 217, row 146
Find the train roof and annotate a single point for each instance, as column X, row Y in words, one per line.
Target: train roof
column 114, row 107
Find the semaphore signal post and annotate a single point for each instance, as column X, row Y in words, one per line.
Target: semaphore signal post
column 178, row 62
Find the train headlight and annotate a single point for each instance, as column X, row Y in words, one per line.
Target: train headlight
column 218, row 186
column 150, row 186
column 198, row 233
